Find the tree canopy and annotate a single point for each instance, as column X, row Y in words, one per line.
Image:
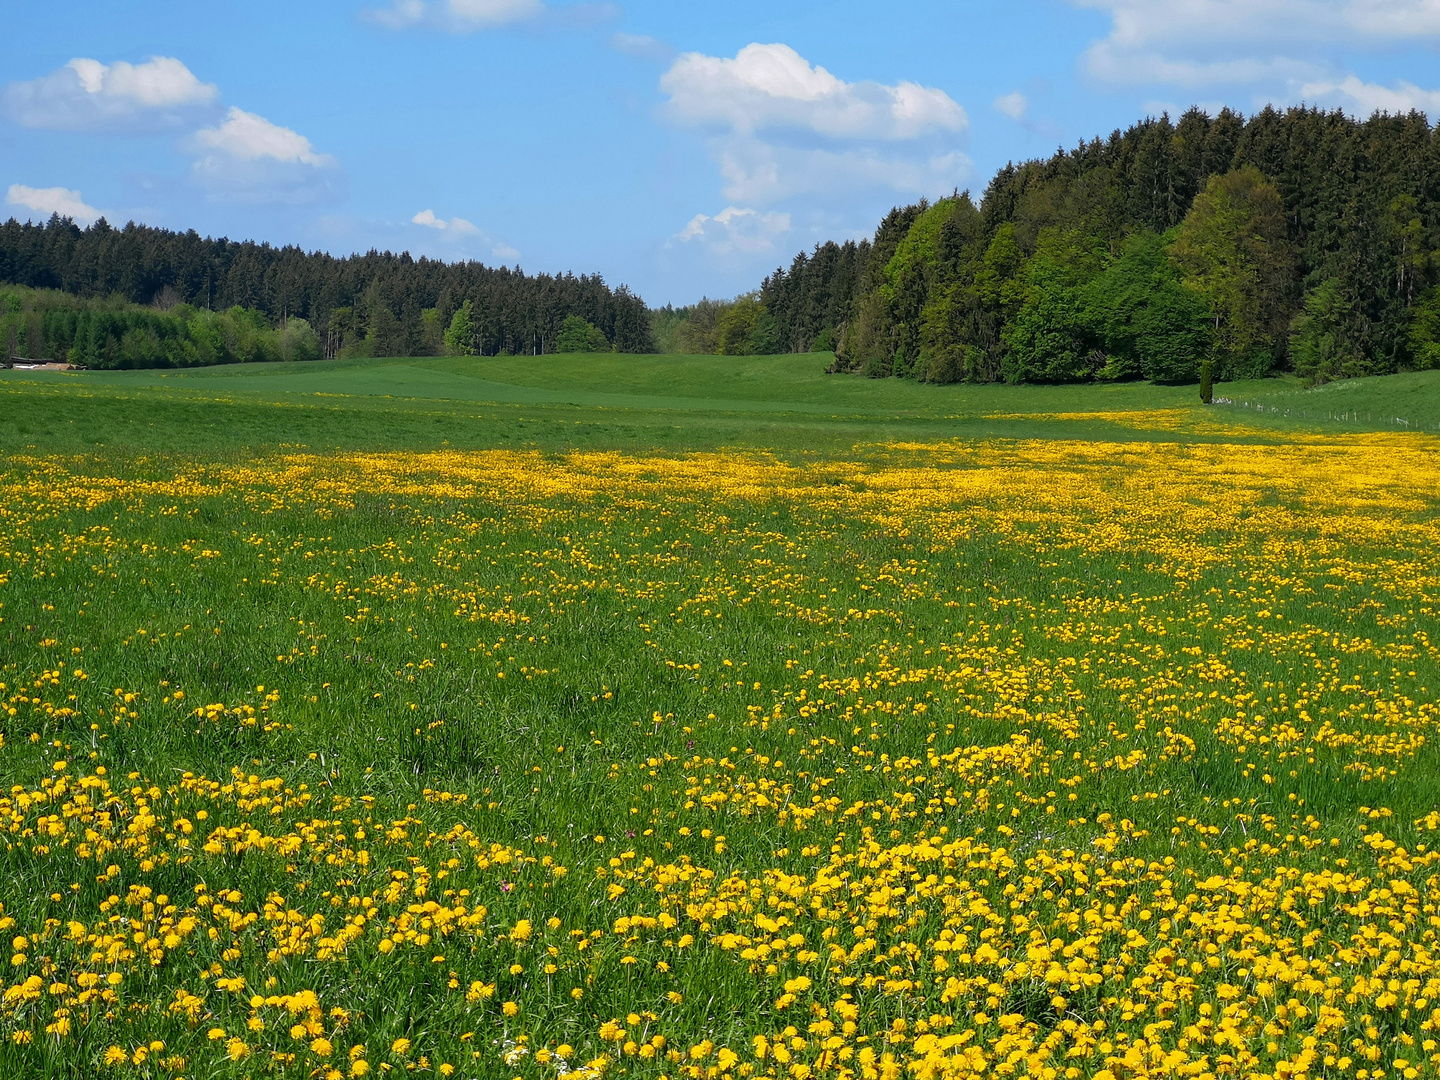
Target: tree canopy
column 1301, row 240
column 362, row 305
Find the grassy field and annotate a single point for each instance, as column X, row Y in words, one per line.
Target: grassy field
column 674, row 403
column 702, row 717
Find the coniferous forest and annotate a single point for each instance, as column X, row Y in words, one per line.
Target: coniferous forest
column 1209, row 248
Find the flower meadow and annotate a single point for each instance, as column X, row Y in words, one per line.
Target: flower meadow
column 1023, row 758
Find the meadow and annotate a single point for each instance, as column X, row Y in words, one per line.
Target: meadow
column 517, row 718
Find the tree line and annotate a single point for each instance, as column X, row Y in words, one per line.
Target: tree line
column 47, row 325
column 1209, row 247
column 376, row 304
column 1300, row 240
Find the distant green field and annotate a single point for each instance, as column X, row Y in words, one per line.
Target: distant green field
column 662, row 402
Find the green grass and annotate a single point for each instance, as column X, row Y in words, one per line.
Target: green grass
column 1406, row 402
column 784, row 403
column 1057, row 669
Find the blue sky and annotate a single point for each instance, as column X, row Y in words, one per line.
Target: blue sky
column 680, row 148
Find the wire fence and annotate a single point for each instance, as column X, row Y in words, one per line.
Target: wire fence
column 1352, row 416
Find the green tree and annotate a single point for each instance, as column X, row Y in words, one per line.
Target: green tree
column 1053, row 336
column 578, row 336
column 745, row 328
column 1425, row 330
column 1151, row 325
column 297, row 341
column 460, row 335
column 1405, row 228
column 1234, row 252
column 1323, row 334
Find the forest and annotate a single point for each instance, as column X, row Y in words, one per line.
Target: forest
column 1300, row 241
column 182, row 299
column 1206, row 248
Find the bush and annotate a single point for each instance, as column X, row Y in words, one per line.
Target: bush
column 578, row 336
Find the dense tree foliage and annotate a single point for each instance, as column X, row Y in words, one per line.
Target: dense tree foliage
column 740, row 327
column 577, row 336
column 1212, row 246
column 1300, row 240
column 377, row 304
column 54, row 326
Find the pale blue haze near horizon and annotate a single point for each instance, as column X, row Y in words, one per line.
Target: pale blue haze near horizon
column 681, row 149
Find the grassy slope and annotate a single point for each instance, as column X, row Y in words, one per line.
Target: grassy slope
column 783, row 402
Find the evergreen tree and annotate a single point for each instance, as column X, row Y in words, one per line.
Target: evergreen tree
column 1322, row 339
column 370, row 304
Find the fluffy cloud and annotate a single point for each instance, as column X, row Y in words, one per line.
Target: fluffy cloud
column 248, row 159
column 55, row 200
column 429, row 220
column 1365, row 98
column 773, row 86
column 779, row 126
column 458, row 15
column 736, row 230
column 240, row 157
column 1199, row 43
column 249, row 137
column 88, row 94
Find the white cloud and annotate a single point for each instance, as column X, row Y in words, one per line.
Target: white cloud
column 456, row 15
column 1139, row 23
column 86, row 93
column 779, row 126
column 1012, row 105
column 1198, row 43
column 249, row 137
column 458, row 227
column 773, row 86
column 1110, row 64
column 1367, row 98
column 458, row 224
column 759, row 172
column 248, row 159
column 54, row 200
column 736, row 230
